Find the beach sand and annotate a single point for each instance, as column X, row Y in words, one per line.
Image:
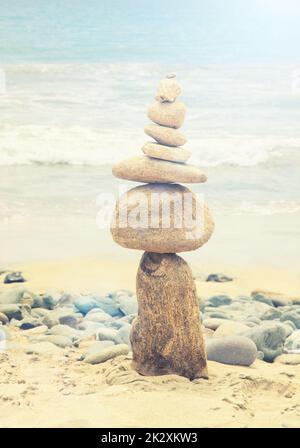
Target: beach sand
column 61, row 391
column 38, row 391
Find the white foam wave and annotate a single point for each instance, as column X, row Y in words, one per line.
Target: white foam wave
column 78, row 145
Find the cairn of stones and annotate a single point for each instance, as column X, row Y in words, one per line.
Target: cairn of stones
column 166, row 336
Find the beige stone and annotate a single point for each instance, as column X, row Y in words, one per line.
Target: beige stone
column 230, row 328
column 166, row 336
column 168, row 90
column 3, row 318
column 290, row 359
column 213, row 322
column 169, row 153
column 145, row 220
column 167, row 114
column 148, row 169
column 165, row 136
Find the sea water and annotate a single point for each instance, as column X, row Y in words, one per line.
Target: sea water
column 77, row 78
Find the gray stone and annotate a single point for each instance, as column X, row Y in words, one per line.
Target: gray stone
column 218, row 315
column 39, row 312
column 106, row 354
column 292, row 343
column 123, row 335
column 65, row 330
column 219, row 278
column 127, row 304
column 269, row 338
column 106, row 334
column 12, row 311
column 292, row 316
column 97, row 347
column 278, row 299
column 289, row 327
column 14, row 277
column 89, row 327
column 50, row 320
column 60, row 341
column 236, row 350
column 43, row 348
column 48, row 302
column 218, row 300
column 263, row 299
column 68, row 319
column 271, row 314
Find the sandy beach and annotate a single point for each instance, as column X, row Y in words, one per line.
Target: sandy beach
column 96, row 99
column 59, row 390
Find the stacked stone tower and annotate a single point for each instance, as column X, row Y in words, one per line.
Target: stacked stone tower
column 163, row 218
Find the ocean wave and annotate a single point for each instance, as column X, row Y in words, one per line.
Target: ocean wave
column 93, row 114
column 78, row 145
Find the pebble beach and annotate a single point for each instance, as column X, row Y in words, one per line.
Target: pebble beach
column 66, row 358
column 215, row 86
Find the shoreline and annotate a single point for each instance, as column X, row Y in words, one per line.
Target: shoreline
column 105, row 274
column 55, row 388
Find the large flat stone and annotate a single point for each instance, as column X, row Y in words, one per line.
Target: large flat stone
column 150, row 170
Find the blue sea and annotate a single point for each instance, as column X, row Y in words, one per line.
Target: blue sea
column 76, row 78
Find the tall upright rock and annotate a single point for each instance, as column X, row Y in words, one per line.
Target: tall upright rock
column 164, row 218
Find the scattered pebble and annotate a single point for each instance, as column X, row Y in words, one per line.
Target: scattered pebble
column 14, row 277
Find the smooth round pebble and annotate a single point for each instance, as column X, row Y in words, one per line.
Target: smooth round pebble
column 106, row 354
column 235, row 350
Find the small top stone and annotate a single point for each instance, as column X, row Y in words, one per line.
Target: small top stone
column 168, row 90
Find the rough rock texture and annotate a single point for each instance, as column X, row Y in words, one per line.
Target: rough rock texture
column 169, row 153
column 148, row 169
column 167, row 114
column 168, row 90
column 166, row 336
column 137, row 224
column 165, row 135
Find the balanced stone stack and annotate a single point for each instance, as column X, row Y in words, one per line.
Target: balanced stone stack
column 166, row 336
